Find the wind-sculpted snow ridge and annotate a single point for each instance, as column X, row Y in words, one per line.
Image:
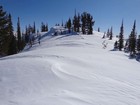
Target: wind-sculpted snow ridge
column 70, row 70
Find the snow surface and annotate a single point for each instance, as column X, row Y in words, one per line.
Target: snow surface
column 70, row 70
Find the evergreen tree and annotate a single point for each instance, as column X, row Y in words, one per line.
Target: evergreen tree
column 3, row 32
column 84, row 21
column 138, row 44
column 26, row 35
column 111, row 34
column 90, row 23
column 19, row 40
column 132, row 40
column 62, row 23
column 75, row 22
column 116, row 45
column 108, row 33
column 42, row 27
column 98, row 29
column 69, row 25
column 121, row 37
column 34, row 28
column 66, row 24
column 87, row 23
column 78, row 23
column 12, row 39
column 126, row 46
column 8, row 42
column 46, row 27
column 29, row 29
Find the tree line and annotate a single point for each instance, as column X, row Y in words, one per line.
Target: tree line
column 132, row 44
column 80, row 23
column 9, row 43
column 13, row 43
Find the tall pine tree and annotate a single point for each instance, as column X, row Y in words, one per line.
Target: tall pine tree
column 90, row 23
column 62, row 23
column 84, row 22
column 138, row 44
column 132, row 40
column 108, row 33
column 46, row 27
column 3, row 32
column 19, row 40
column 98, row 29
column 26, row 35
column 111, row 34
column 7, row 39
column 78, row 23
column 75, row 19
column 121, row 40
column 34, row 28
column 12, row 39
column 69, row 25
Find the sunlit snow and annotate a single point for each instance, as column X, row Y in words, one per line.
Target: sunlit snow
column 70, row 70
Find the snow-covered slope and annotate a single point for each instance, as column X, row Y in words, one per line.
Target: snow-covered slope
column 70, row 70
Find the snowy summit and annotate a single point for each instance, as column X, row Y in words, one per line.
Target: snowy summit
column 70, row 70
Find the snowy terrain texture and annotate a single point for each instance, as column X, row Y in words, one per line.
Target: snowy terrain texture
column 70, row 70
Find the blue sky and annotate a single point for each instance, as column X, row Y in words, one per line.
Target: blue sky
column 106, row 13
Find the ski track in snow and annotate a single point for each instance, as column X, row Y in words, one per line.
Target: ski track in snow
column 69, row 70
